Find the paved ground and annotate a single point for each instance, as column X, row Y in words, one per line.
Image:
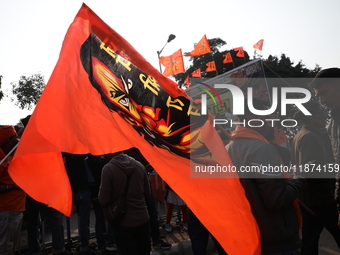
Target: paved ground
column 179, row 239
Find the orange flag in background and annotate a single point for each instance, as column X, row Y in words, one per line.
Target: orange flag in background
column 258, row 45
column 211, row 66
column 228, row 58
column 202, row 47
column 240, row 52
column 104, row 97
column 174, row 63
column 197, row 73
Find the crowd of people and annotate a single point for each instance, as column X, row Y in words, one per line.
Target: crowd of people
column 291, row 209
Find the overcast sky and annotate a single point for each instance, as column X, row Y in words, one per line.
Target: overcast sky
column 33, row 31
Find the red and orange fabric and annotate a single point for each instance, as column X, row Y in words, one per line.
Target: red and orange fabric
column 196, row 73
column 211, row 66
column 202, row 47
column 258, row 45
column 240, row 52
column 227, row 58
column 174, row 63
column 5, row 133
column 103, row 97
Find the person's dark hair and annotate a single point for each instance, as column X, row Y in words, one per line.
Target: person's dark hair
column 25, row 120
column 333, row 72
column 313, row 107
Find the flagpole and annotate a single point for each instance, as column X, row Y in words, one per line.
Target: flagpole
column 171, row 37
column 232, row 60
column 13, row 149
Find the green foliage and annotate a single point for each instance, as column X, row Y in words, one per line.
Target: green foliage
column 283, row 67
column 27, row 90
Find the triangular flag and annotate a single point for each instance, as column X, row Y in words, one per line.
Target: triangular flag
column 174, row 63
column 240, row 52
column 258, row 45
column 228, row 58
column 104, row 97
column 196, row 73
column 211, row 66
column 202, row 47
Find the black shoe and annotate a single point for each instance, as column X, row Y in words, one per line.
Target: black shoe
column 162, row 245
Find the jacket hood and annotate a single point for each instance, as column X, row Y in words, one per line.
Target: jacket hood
column 124, row 162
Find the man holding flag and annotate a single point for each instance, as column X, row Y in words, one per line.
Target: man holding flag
column 272, row 198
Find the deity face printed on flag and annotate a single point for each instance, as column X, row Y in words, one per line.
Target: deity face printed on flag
column 138, row 98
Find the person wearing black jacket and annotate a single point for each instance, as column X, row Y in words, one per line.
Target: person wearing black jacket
column 133, row 232
column 80, row 184
column 319, row 210
column 150, row 200
column 270, row 194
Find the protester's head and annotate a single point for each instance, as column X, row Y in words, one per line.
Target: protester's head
column 109, row 156
column 316, row 120
column 326, row 85
column 8, row 138
column 25, row 120
column 261, row 126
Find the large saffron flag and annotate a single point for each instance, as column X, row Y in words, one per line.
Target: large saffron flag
column 258, row 45
column 211, row 66
column 240, row 52
column 174, row 63
column 104, row 97
column 202, row 47
column 227, row 58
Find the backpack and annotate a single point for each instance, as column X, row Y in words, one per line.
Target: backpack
column 114, row 212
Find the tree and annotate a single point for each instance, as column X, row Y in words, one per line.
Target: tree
column 1, row 93
column 200, row 62
column 283, row 67
column 28, row 90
